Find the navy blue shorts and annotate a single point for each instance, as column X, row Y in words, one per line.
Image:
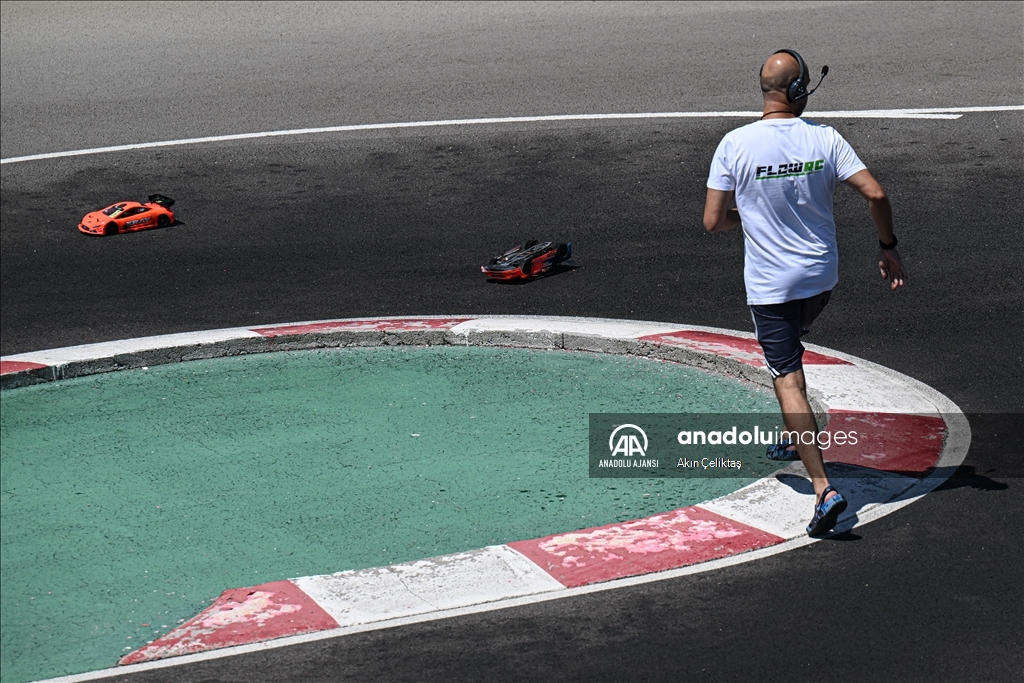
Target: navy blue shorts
column 779, row 327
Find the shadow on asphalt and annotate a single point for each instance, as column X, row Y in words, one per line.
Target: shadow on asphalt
column 993, row 462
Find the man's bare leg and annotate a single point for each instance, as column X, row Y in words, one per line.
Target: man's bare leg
column 791, row 390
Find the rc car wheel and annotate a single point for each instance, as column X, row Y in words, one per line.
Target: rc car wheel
column 527, row 266
column 562, row 250
column 163, row 221
column 110, row 228
column 530, row 243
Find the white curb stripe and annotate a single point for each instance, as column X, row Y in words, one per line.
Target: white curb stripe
column 439, row 583
column 102, row 350
column 781, row 504
column 603, row 328
column 849, row 387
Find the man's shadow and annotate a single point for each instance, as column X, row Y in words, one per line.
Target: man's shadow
column 865, row 488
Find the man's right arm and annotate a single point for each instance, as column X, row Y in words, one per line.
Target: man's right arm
column 718, row 217
column 889, row 262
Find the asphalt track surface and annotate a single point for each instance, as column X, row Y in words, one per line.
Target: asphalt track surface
column 394, row 223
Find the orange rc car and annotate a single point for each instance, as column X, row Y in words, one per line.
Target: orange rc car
column 129, row 217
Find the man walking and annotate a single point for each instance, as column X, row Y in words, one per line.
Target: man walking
column 782, row 172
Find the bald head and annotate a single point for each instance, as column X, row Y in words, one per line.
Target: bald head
column 779, row 71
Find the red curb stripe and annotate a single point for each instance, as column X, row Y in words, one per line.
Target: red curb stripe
column 744, row 350
column 642, row 546
column 892, row 442
column 240, row 616
column 393, row 324
column 8, row 367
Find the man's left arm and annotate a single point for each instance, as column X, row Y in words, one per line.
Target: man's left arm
column 718, row 216
column 890, row 265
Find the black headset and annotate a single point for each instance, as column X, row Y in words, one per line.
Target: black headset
column 797, row 89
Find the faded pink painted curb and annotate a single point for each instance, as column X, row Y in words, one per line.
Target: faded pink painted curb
column 9, row 367
column 652, row 544
column 238, row 616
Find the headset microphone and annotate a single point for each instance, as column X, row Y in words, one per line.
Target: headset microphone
column 797, row 88
column 824, row 72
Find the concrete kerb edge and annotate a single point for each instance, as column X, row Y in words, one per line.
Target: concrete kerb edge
column 104, row 362
column 242, row 341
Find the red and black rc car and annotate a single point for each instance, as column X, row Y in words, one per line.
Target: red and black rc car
column 129, row 217
column 527, row 260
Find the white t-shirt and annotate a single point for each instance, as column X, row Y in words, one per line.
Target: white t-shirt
column 784, row 172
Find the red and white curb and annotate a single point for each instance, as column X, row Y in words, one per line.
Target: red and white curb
column 927, row 436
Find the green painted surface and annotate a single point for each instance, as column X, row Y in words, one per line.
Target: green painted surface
column 130, row 500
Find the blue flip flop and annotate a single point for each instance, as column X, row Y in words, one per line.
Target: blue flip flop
column 780, row 452
column 826, row 512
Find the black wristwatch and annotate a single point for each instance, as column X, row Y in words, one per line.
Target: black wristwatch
column 890, row 245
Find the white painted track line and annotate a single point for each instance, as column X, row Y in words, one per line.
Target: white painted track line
column 934, row 113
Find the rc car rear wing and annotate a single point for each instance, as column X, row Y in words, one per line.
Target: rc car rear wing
column 163, row 201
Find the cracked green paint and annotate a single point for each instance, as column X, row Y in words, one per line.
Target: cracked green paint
column 130, row 500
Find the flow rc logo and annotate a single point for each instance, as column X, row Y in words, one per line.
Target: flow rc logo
column 628, row 443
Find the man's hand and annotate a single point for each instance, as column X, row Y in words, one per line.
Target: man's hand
column 718, row 217
column 891, row 266
column 889, row 262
